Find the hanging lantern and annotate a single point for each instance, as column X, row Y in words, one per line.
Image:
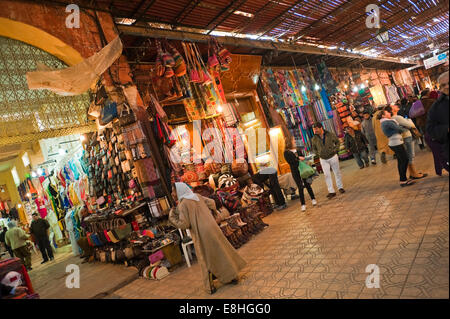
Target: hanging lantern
column 382, row 35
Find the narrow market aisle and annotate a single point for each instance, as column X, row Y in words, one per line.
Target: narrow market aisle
column 324, row 252
column 96, row 279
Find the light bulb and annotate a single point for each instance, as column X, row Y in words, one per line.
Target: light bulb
column 19, row 205
column 362, row 86
column 219, row 108
column 355, row 89
column 28, row 194
column 316, row 87
column 303, row 88
column 82, row 138
column 345, row 86
column 33, row 174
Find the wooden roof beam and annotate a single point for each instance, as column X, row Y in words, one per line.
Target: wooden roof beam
column 146, row 31
column 268, row 27
column 186, row 11
column 234, row 6
column 338, row 10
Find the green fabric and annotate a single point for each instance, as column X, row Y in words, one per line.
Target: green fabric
column 16, row 238
column 328, row 149
column 306, row 171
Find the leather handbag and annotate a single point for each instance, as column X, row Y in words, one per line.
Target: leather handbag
column 123, row 231
column 146, row 171
column 127, row 115
column 109, row 113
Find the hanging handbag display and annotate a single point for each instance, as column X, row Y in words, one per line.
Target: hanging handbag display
column 108, row 113
column 127, row 115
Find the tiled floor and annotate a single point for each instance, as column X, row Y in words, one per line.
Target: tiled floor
column 324, row 252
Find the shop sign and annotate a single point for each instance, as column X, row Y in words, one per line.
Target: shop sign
column 436, row 60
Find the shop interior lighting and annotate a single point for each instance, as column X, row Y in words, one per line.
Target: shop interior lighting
column 28, row 194
column 345, row 86
column 382, row 35
column 245, row 14
column 355, row 89
column 274, row 131
column 40, row 171
column 3, row 190
column 19, row 205
column 82, row 138
column 252, row 122
column 219, row 108
column 316, row 87
column 303, row 88
column 362, row 86
column 33, row 174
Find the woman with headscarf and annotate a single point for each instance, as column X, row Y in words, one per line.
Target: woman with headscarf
column 216, row 256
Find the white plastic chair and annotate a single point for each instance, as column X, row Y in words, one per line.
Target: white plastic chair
column 186, row 248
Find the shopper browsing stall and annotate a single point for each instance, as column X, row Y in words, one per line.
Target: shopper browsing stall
column 40, row 229
column 369, row 132
column 437, row 120
column 326, row 145
column 393, row 132
column 269, row 174
column 356, row 143
column 292, row 158
column 407, row 140
column 16, row 238
column 215, row 254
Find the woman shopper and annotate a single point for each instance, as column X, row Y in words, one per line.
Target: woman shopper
column 382, row 140
column 393, row 132
column 292, row 158
column 215, row 254
column 407, row 140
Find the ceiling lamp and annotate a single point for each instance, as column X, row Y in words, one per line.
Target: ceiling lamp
column 303, row 88
column 382, row 35
column 316, row 87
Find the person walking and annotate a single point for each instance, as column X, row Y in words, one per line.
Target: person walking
column 356, row 143
column 292, row 158
column 326, row 145
column 382, row 140
column 437, row 121
column 2, row 240
column 215, row 254
column 16, row 238
column 407, row 140
column 393, row 131
column 269, row 174
column 40, row 229
column 427, row 100
column 369, row 132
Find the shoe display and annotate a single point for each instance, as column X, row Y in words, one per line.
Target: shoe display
column 314, row 202
column 341, row 190
column 331, row 195
column 303, row 208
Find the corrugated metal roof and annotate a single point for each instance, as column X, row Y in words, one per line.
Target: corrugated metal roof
column 340, row 23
